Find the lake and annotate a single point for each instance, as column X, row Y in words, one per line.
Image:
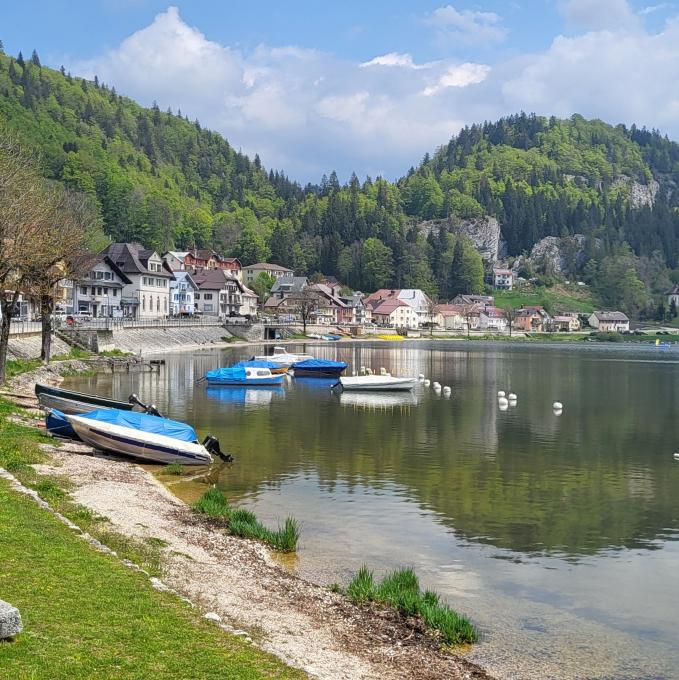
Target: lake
column 557, row 534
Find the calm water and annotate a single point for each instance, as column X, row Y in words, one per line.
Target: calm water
column 556, row 534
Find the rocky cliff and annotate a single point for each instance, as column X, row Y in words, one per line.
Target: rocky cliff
column 483, row 232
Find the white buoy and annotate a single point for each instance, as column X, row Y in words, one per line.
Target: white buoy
column 511, row 396
column 362, row 371
column 557, row 406
column 421, row 376
column 446, row 389
column 503, row 404
column 383, row 371
column 427, row 381
column 676, row 456
column 503, row 401
column 501, row 393
column 436, row 385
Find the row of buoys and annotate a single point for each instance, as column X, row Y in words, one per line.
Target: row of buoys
column 504, row 400
column 437, row 387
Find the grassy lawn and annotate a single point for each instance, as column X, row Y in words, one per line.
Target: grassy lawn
column 85, row 615
column 557, row 300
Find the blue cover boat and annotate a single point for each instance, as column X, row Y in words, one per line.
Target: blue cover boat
column 144, row 436
column 260, row 363
column 243, row 376
column 57, row 425
column 319, row 368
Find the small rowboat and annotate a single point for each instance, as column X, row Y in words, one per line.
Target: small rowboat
column 378, row 383
column 243, row 376
column 67, row 401
column 143, row 436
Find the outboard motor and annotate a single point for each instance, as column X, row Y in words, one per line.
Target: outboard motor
column 151, row 410
column 212, row 445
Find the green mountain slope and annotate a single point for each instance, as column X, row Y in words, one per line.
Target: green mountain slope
column 167, row 182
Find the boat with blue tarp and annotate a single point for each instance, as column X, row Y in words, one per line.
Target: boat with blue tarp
column 143, row 436
column 319, row 368
column 243, row 376
column 271, row 365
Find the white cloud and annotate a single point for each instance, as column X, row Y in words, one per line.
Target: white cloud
column 307, row 112
column 391, row 59
column 596, row 15
column 459, row 76
column 654, row 8
column 467, row 26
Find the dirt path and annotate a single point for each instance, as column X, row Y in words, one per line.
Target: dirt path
column 304, row 624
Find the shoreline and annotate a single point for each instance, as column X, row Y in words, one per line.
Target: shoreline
column 304, row 624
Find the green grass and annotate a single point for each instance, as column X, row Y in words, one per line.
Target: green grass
column 74, row 353
column 15, row 367
column 87, row 617
column 243, row 523
column 114, row 353
column 400, row 589
column 557, row 301
column 174, row 469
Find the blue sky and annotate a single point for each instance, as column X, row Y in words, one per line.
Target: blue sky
column 368, row 87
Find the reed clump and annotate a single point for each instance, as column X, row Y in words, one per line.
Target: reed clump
column 245, row 524
column 400, row 589
column 174, row 469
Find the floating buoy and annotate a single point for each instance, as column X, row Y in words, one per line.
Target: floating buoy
column 503, row 404
column 362, row 371
column 421, row 376
column 427, row 381
column 503, row 401
column 446, row 389
column 436, row 385
column 501, row 393
column 676, row 456
column 383, row 371
column 512, row 396
column 557, row 406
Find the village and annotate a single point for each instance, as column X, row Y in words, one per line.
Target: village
column 129, row 282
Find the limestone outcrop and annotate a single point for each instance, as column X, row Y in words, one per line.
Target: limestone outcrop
column 483, row 232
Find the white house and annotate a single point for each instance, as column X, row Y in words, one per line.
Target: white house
column 609, row 321
column 395, row 313
column 182, row 291
column 415, row 298
column 250, row 302
column 147, row 296
column 100, row 291
column 452, row 317
column 503, row 279
column 492, row 319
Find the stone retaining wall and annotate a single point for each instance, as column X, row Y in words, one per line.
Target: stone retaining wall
column 154, row 340
column 28, row 346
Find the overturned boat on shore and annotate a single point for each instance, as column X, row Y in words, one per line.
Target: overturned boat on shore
column 142, row 436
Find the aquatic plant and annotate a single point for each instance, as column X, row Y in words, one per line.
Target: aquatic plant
column 244, row 523
column 400, row 589
column 174, row 469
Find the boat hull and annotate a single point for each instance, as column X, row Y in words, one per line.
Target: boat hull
column 144, row 446
column 318, row 372
column 378, row 384
column 70, row 402
column 276, row 379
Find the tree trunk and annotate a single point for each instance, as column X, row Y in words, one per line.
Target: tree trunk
column 7, row 307
column 46, row 308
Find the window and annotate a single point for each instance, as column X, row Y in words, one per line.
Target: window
column 158, row 304
column 105, row 290
column 207, row 307
column 98, row 290
column 197, row 296
column 83, row 290
column 100, row 275
column 108, row 276
column 143, row 302
column 165, row 304
column 208, row 296
column 115, row 293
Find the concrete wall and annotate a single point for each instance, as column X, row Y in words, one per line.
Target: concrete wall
column 28, row 346
column 154, row 340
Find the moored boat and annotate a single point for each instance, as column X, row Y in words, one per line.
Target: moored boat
column 377, row 383
column 273, row 367
column 320, row 368
column 333, row 338
column 68, row 401
column 143, row 436
column 243, row 376
column 281, row 357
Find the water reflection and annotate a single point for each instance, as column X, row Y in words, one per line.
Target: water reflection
column 379, row 401
column 246, row 397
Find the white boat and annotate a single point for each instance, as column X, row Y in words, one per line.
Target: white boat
column 378, row 383
column 158, row 440
column 282, row 357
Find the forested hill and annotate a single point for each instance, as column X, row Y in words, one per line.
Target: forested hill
column 168, row 182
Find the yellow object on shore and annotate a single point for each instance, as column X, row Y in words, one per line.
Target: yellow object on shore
column 390, row 337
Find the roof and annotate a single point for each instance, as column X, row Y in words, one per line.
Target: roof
column 471, row 299
column 449, row 310
column 232, row 260
column 503, row 272
column 209, row 279
column 382, row 294
column 268, row 266
column 494, row 312
column 563, row 319
column 179, row 254
column 290, row 284
column 133, row 258
column 388, row 306
column 674, row 290
column 611, row 316
column 183, row 274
